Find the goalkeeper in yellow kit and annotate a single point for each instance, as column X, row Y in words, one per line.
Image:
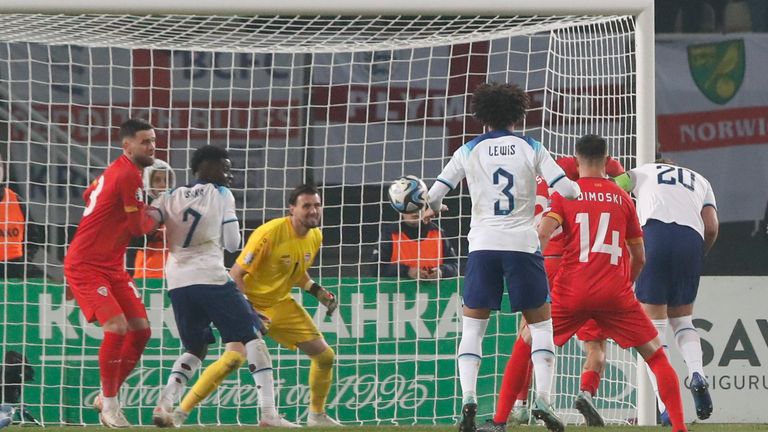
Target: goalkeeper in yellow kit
column 276, row 259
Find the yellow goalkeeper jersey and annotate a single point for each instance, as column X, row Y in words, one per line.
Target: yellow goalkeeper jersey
column 275, row 258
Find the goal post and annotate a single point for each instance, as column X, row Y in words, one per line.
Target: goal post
column 351, row 96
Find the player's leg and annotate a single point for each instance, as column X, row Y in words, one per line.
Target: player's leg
column 658, row 316
column 483, row 290
column 594, row 365
column 97, row 301
column 511, row 405
column 689, row 343
column 138, row 333
column 528, row 291
column 669, row 386
column 292, row 327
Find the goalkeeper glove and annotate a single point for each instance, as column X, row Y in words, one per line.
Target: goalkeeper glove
column 325, row 297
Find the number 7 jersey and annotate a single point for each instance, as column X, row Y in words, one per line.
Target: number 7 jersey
column 194, row 216
column 596, row 227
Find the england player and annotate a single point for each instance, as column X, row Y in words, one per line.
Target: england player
column 511, row 406
column 200, row 221
column 94, row 266
column 593, row 281
column 275, row 259
column 677, row 208
column 501, row 168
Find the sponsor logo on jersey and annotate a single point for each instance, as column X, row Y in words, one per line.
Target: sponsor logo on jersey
column 286, row 260
column 102, row 290
column 718, row 68
column 248, row 258
column 307, row 257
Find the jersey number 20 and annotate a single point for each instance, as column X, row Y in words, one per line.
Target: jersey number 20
column 613, row 248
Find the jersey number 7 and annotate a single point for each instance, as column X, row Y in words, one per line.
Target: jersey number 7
column 195, row 219
column 613, row 248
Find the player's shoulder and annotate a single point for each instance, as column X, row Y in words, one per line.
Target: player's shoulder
column 316, row 234
column 272, row 227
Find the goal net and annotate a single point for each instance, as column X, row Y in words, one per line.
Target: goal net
column 348, row 102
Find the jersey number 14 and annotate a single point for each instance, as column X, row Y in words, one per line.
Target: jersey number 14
column 600, row 246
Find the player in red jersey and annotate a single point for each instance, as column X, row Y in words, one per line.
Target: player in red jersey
column 95, row 264
column 589, row 333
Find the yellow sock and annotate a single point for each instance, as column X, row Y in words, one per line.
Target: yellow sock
column 320, row 377
column 212, row 376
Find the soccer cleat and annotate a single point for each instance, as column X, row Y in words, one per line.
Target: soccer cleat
column 586, row 407
column 544, row 412
column 98, row 405
column 162, row 417
column 468, row 413
column 114, row 419
column 6, row 415
column 321, row 419
column 179, row 417
column 276, row 421
column 519, row 416
column 701, row 397
column 492, row 426
column 665, row 421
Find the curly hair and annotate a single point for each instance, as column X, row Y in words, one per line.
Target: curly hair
column 206, row 153
column 499, row 105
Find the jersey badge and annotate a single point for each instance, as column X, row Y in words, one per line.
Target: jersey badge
column 286, row 260
column 307, row 256
column 102, row 290
column 248, row 258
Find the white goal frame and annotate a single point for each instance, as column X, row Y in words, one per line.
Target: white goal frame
column 643, row 10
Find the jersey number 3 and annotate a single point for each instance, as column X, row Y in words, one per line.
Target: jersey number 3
column 613, row 248
column 498, row 177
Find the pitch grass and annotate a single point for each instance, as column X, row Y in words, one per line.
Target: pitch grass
column 349, row 428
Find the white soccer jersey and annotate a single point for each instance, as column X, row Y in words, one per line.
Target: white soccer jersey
column 671, row 194
column 501, row 169
column 194, row 216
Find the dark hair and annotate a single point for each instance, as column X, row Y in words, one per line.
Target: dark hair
column 592, row 147
column 302, row 189
column 131, row 126
column 499, row 105
column 206, row 153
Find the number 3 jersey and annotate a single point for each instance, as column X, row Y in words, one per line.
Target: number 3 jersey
column 596, row 227
column 501, row 169
column 194, row 217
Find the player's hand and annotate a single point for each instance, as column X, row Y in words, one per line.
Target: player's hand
column 432, row 273
column 429, row 213
column 68, row 295
column 327, row 299
column 413, row 272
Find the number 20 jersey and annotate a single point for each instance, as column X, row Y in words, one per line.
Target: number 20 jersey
column 596, row 227
column 194, row 216
column 501, row 169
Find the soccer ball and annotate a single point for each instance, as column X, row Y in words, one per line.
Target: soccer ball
column 408, row 194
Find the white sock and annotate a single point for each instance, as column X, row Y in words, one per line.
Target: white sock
column 689, row 343
column 543, row 357
column 469, row 355
column 260, row 365
column 109, row 403
column 183, row 370
column 661, row 327
column 520, row 403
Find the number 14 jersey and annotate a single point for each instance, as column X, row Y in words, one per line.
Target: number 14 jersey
column 596, row 227
column 194, row 216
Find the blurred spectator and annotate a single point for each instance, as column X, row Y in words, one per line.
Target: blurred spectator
column 151, row 250
column 19, row 240
column 411, row 248
column 758, row 10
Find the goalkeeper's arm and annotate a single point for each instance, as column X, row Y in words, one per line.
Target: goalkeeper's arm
column 325, row 297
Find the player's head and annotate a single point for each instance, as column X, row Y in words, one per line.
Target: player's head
column 592, row 150
column 499, row 106
column 212, row 164
column 158, row 178
column 138, row 139
column 306, row 206
column 413, row 219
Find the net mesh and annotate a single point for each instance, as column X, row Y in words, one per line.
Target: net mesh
column 350, row 103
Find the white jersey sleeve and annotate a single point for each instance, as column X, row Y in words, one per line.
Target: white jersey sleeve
column 554, row 174
column 671, row 194
column 194, row 217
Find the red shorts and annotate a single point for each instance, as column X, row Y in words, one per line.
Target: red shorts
column 102, row 295
column 625, row 322
column 589, row 331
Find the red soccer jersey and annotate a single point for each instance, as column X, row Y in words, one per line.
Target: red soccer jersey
column 595, row 229
column 103, row 234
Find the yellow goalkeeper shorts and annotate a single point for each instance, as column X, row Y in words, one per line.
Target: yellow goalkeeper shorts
column 290, row 324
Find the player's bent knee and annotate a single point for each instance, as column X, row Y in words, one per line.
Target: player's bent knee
column 325, row 359
column 232, row 361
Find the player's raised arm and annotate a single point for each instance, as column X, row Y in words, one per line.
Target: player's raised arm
column 554, row 175
column 141, row 219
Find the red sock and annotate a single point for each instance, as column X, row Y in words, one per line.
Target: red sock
column 513, row 379
column 669, row 388
column 523, row 394
column 590, row 380
column 133, row 347
column 110, row 360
